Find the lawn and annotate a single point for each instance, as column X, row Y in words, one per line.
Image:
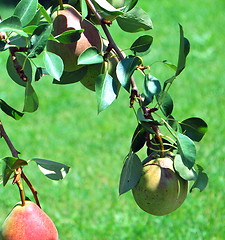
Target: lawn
column 67, row 128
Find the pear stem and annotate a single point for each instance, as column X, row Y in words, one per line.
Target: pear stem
column 61, row 4
column 134, row 91
column 18, row 172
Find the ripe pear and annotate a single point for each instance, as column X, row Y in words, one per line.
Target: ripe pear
column 70, row 19
column 28, row 222
column 160, row 189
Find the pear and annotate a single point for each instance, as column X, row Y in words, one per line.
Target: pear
column 70, row 19
column 28, row 222
column 160, row 189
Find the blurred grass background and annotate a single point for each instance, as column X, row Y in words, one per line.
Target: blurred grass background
column 66, row 128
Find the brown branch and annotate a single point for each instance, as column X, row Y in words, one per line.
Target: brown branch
column 104, row 23
column 18, row 172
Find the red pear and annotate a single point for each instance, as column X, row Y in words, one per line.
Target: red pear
column 28, row 222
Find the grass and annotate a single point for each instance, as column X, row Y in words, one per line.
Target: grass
column 66, row 128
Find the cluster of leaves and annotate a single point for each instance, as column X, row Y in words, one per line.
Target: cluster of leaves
column 25, row 35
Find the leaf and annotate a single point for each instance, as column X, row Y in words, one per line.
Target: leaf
column 151, row 86
column 172, row 122
column 194, row 128
column 53, row 64
column 201, row 181
column 12, row 24
column 90, row 56
column 129, row 5
column 169, row 64
column 165, row 102
column 45, row 13
column 84, row 9
column 131, row 173
column 69, row 36
column 72, row 77
column 10, row 111
column 135, row 20
column 39, row 39
column 31, row 99
column 107, row 11
column 138, row 139
column 183, row 52
column 40, row 72
column 9, row 165
column 142, row 45
column 125, row 68
column 51, row 169
column 106, row 91
column 187, row 150
column 24, row 62
column 184, row 172
column 25, row 10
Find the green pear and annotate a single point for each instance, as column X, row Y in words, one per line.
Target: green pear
column 160, row 189
column 70, row 19
column 28, row 222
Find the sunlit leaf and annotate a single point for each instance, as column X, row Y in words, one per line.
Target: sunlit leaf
column 69, row 36
column 131, row 173
column 10, row 111
column 90, row 56
column 25, row 10
column 184, row 172
column 187, row 150
column 53, row 64
column 84, row 9
column 169, row 64
column 125, row 68
column 12, row 24
column 152, row 86
column 135, row 20
column 51, row 169
column 39, row 39
column 106, row 91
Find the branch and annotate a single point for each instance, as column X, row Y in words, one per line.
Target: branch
column 103, row 22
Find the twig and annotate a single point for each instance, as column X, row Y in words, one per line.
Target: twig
column 134, row 91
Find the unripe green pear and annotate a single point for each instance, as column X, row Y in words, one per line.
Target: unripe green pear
column 28, row 222
column 70, row 19
column 160, row 189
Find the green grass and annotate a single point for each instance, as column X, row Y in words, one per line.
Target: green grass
column 66, row 128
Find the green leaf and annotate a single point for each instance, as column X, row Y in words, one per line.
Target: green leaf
column 183, row 52
column 51, row 169
column 151, row 86
column 90, row 56
column 125, row 68
column 135, row 20
column 31, row 99
column 45, row 13
column 106, row 10
column 40, row 72
column 72, row 77
column 10, row 111
column 184, row 172
column 131, row 173
column 26, row 10
column 142, row 45
column 84, row 9
column 12, row 24
column 187, row 150
column 169, row 64
column 165, row 102
column 25, row 64
column 138, row 139
column 201, row 181
column 195, row 128
column 53, row 64
column 9, row 165
column 69, row 36
column 39, row 39
column 172, row 122
column 106, row 91
column 130, row 4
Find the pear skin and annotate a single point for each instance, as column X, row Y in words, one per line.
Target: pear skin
column 28, row 222
column 160, row 189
